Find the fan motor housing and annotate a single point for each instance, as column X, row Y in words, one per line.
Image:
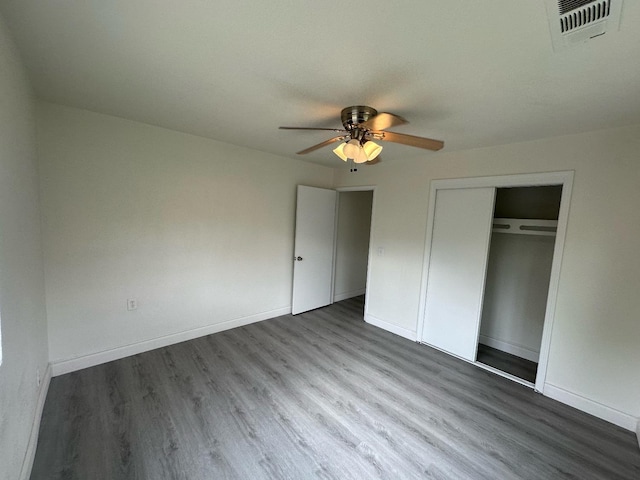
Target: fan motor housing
column 353, row 116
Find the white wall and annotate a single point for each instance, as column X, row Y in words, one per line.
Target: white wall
column 352, row 243
column 594, row 353
column 199, row 232
column 22, row 309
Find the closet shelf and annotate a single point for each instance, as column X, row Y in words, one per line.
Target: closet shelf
column 525, row 226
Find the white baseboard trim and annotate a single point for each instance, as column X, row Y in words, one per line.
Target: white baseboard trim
column 513, row 349
column 390, row 327
column 596, row 409
column 60, row 367
column 354, row 293
column 30, row 454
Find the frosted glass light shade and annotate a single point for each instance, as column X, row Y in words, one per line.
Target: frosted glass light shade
column 361, row 156
column 339, row 151
column 371, row 150
column 352, row 148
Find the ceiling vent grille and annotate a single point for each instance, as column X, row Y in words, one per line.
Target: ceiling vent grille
column 576, row 21
column 579, row 17
column 566, row 6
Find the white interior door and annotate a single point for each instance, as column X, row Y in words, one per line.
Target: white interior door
column 314, row 248
column 457, row 269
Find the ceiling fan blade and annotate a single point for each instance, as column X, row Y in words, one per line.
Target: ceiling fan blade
column 383, row 121
column 320, row 145
column 312, row 128
column 420, row 142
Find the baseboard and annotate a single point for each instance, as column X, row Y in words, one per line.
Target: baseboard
column 390, row 327
column 596, row 409
column 344, row 296
column 60, row 367
column 30, row 454
column 511, row 348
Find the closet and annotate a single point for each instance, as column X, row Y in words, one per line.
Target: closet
column 522, row 241
column 491, row 271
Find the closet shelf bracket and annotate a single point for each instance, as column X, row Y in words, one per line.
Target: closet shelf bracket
column 525, row 226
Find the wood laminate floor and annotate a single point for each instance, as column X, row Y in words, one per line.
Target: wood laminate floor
column 320, row 395
column 516, row 366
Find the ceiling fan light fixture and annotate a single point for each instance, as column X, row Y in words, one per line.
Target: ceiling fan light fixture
column 371, row 150
column 358, row 153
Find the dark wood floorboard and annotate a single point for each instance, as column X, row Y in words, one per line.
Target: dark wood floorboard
column 320, row 395
column 512, row 364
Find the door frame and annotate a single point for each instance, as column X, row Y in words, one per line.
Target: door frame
column 564, row 178
column 362, row 188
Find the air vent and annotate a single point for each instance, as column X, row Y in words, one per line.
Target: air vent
column 581, row 15
column 576, row 21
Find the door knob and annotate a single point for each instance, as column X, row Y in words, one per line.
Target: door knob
column 299, row 259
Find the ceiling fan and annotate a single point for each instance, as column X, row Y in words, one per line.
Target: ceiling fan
column 363, row 125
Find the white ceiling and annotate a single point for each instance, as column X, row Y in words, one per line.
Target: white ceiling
column 471, row 73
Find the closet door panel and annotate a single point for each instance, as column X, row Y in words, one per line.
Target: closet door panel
column 457, row 269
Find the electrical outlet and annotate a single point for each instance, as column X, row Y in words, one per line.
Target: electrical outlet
column 132, row 303
column 38, row 377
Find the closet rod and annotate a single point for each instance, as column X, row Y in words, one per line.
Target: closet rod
column 525, row 226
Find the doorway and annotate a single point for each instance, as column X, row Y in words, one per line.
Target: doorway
column 331, row 245
column 353, row 233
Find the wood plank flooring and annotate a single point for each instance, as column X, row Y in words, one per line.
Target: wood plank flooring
column 320, row 395
column 516, row 366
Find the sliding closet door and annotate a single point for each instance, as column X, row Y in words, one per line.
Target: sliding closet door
column 457, row 269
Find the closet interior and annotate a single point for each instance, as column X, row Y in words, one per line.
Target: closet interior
column 521, row 250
